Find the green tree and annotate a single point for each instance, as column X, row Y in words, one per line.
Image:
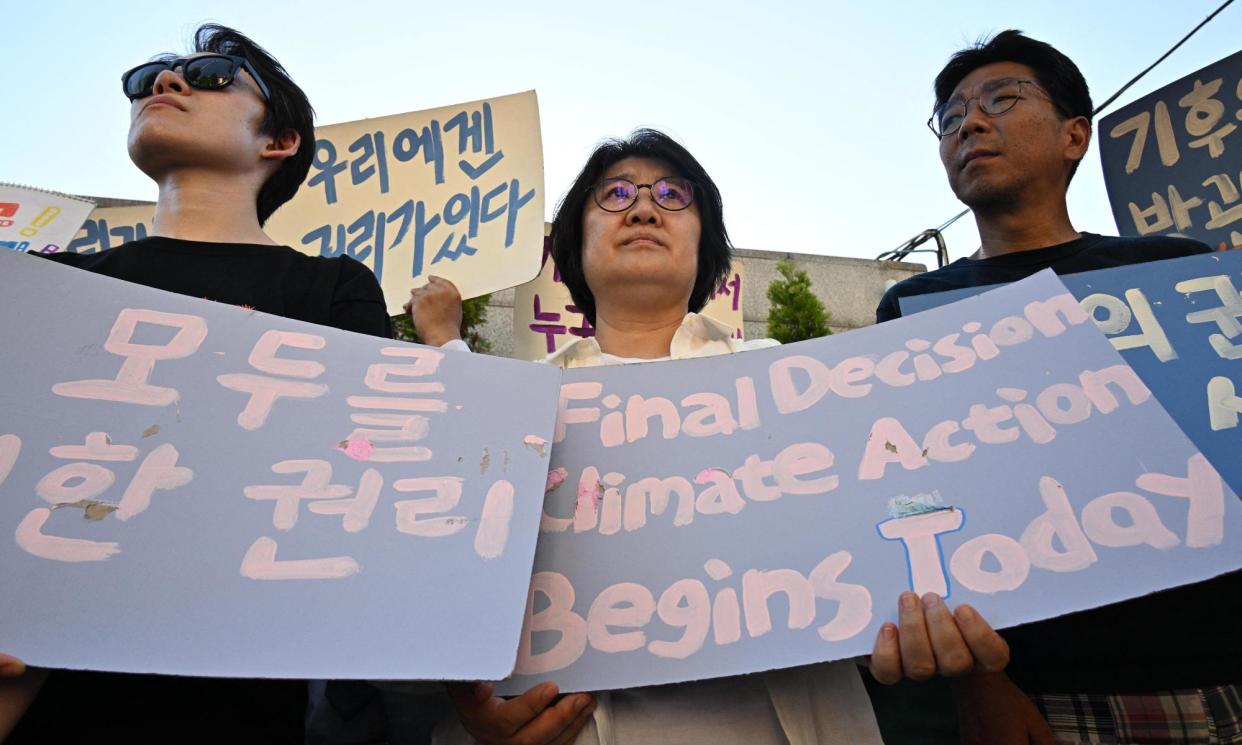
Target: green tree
column 473, row 316
column 796, row 314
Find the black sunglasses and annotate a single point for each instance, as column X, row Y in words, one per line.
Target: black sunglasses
column 208, row 72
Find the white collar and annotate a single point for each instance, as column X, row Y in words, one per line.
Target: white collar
column 697, row 336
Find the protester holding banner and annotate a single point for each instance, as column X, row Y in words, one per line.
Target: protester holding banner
column 1013, row 118
column 228, row 137
column 640, row 266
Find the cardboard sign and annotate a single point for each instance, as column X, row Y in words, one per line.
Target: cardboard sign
column 1171, row 158
column 455, row 191
column 726, row 515
column 38, row 221
column 188, row 487
column 546, row 319
column 1176, row 322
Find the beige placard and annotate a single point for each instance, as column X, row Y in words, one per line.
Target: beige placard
column 455, row 191
column 109, row 227
column 545, row 318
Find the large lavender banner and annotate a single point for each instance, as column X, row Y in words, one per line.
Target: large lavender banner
column 733, row 514
column 189, row 487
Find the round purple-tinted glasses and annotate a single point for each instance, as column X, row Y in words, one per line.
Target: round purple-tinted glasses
column 619, row 194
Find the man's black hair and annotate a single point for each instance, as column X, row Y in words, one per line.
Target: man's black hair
column 1055, row 73
column 287, row 108
column 715, row 251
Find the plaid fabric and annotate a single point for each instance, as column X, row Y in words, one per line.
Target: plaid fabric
column 1206, row 716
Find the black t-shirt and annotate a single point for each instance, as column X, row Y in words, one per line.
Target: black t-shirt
column 1180, row 638
column 338, row 292
column 1085, row 254
column 82, row 706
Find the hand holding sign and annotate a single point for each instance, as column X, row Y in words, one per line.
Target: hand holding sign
column 11, row 667
column 435, row 310
column 932, row 640
column 534, row 718
column 18, row 688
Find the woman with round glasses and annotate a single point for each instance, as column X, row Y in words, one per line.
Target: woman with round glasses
column 640, row 241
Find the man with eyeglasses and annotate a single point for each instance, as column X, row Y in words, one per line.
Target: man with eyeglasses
column 1013, row 119
column 229, row 138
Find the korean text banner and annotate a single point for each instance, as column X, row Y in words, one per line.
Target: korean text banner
column 1171, row 158
column 39, row 221
column 188, row 487
column 733, row 514
column 109, row 227
column 455, row 191
column 1176, row 322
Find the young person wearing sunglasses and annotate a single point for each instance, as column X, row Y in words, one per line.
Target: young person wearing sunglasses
column 228, row 137
column 1013, row 121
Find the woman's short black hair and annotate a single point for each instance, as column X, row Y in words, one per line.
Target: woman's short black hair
column 1055, row 73
column 715, row 251
column 287, row 108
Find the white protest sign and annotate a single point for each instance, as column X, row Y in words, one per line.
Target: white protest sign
column 39, row 221
column 455, row 191
column 194, row 488
column 721, row 516
column 545, row 317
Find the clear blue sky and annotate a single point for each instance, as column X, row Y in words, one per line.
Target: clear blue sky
column 809, row 115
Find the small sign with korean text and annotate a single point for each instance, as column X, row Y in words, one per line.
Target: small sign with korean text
column 1171, row 159
column 39, row 221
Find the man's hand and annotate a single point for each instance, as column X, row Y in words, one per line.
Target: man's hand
column 1223, row 246
column 991, row 710
column 435, row 309
column 18, row 688
column 11, row 667
column 929, row 640
column 534, row 718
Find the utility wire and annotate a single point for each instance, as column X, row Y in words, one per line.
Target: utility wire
column 1163, row 57
column 899, row 253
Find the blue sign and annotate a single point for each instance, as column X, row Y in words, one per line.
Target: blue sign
column 1171, row 159
column 1177, row 323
